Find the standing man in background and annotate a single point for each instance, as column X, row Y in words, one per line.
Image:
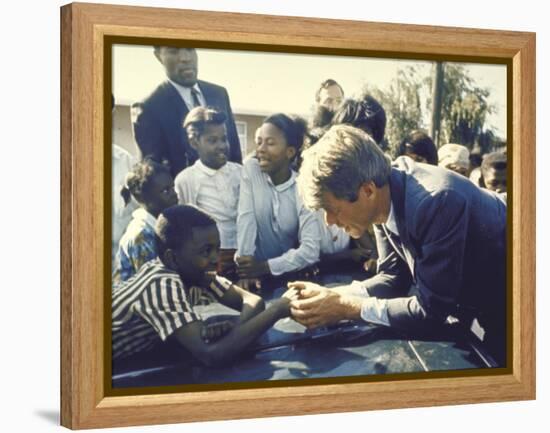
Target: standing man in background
column 158, row 120
column 328, row 98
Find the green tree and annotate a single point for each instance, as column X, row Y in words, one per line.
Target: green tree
column 402, row 104
column 464, row 109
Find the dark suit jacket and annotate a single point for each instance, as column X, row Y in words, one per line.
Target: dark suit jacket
column 158, row 125
column 454, row 236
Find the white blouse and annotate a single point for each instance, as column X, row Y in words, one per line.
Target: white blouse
column 214, row 191
column 273, row 224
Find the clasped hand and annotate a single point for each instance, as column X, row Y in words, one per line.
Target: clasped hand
column 315, row 305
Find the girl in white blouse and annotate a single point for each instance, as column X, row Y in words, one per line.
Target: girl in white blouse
column 212, row 182
column 276, row 234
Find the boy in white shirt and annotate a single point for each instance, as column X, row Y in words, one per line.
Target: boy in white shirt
column 212, row 182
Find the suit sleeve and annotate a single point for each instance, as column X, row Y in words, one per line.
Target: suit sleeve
column 147, row 132
column 393, row 277
column 235, row 153
column 440, row 227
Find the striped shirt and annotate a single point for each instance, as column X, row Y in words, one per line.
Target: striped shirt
column 153, row 304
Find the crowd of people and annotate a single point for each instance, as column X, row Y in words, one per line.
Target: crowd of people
column 418, row 241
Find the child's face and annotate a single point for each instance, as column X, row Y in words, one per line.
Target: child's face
column 159, row 193
column 212, row 146
column 197, row 255
column 273, row 152
column 495, row 180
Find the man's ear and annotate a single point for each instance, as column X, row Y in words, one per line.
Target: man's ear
column 368, row 190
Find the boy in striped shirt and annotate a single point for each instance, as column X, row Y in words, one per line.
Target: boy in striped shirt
column 158, row 303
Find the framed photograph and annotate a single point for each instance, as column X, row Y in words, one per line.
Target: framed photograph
column 151, row 336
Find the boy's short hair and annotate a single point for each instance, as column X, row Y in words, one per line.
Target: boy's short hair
column 175, row 226
column 494, row 160
column 197, row 119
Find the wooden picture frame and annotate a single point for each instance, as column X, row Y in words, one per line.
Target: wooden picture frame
column 85, row 27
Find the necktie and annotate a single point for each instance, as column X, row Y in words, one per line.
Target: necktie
column 195, row 96
column 394, row 242
column 399, row 248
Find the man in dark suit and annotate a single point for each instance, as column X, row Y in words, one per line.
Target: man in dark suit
column 441, row 241
column 158, row 120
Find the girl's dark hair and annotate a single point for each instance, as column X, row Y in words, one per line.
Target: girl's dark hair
column 366, row 114
column 293, row 127
column 139, row 177
column 197, row 119
column 421, row 144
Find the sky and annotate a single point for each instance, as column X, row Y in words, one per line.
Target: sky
column 278, row 82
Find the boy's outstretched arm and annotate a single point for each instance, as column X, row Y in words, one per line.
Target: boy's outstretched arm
column 225, row 349
column 247, row 303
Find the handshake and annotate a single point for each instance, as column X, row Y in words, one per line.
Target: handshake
column 313, row 305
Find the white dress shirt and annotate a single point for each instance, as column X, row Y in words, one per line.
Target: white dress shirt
column 273, row 224
column 375, row 310
column 185, row 93
column 216, row 192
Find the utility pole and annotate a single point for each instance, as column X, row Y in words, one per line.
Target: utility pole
column 437, row 100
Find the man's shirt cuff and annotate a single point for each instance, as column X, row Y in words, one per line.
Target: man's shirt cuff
column 375, row 310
